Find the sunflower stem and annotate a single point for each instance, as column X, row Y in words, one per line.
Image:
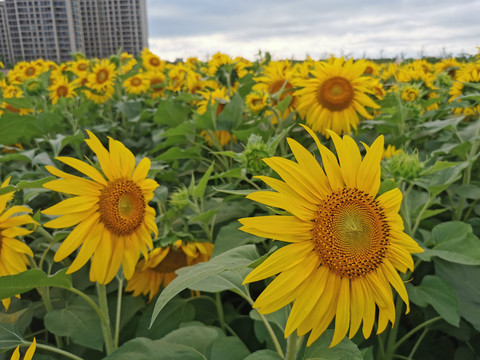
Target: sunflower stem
column 392, row 336
column 420, row 214
column 55, row 350
column 106, row 327
column 418, row 328
column 218, row 304
column 417, row 343
column 119, row 311
column 292, row 341
column 276, row 343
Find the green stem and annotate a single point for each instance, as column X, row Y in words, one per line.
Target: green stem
column 90, row 302
column 417, row 344
column 417, row 328
column 106, row 327
column 291, row 347
column 269, row 328
column 276, row 343
column 119, row 312
column 420, row 214
column 392, row 336
column 218, row 305
column 55, row 350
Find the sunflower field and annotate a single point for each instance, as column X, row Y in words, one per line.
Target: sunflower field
column 236, row 209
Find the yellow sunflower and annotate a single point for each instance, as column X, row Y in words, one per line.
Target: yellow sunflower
column 256, row 100
column 61, row 87
column 346, row 243
column 13, row 259
column 222, row 137
column 80, row 67
column 157, row 83
column 278, row 81
column 112, row 219
column 102, row 75
column 136, row 84
column 217, row 96
column 152, row 62
column 335, row 97
column 410, row 93
column 28, row 355
column 159, row 269
column 100, row 96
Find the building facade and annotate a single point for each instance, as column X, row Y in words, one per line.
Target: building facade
column 54, row 29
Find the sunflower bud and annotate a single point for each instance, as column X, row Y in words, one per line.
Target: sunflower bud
column 179, row 199
column 255, row 151
column 404, row 166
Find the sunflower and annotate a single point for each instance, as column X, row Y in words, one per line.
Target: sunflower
column 28, row 355
column 222, row 137
column 152, row 62
column 112, row 219
column 102, row 75
column 13, row 259
column 217, row 96
column 410, row 93
column 335, row 96
column 136, row 84
column 80, row 67
column 256, row 100
column 157, row 83
column 61, row 87
column 159, row 269
column 278, row 81
column 346, row 243
column 100, row 96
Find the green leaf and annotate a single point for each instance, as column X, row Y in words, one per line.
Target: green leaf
column 469, row 191
column 455, row 242
column 230, row 260
column 34, row 184
column 436, row 181
column 131, row 109
column 11, row 285
column 464, row 281
column 435, row 291
column 320, row 350
column 171, row 113
column 176, row 153
column 199, row 190
column 264, row 355
column 209, row 341
column 12, row 327
column 174, row 313
column 146, row 349
column 16, row 128
column 232, row 114
column 230, row 237
column 79, row 322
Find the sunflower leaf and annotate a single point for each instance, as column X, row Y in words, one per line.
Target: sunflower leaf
column 11, row 285
column 237, row 258
column 436, row 292
column 345, row 350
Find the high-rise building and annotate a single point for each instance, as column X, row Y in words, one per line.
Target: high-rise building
column 53, row 30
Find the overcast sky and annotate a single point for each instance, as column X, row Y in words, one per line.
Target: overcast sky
column 297, row 28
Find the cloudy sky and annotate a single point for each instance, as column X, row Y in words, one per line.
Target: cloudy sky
column 297, row 28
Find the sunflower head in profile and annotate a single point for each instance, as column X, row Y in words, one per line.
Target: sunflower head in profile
column 13, row 252
column 335, row 97
column 110, row 214
column 346, row 244
column 277, row 81
column 158, row 270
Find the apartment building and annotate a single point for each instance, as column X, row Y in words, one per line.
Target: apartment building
column 53, row 29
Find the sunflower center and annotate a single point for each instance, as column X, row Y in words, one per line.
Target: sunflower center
column 122, row 206
column 136, row 82
column 351, row 233
column 62, row 91
column 154, row 61
column 336, row 93
column 368, row 70
column 30, row 71
column 102, row 76
column 82, row 67
column 174, row 260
